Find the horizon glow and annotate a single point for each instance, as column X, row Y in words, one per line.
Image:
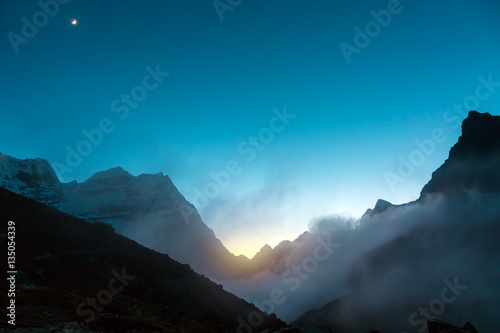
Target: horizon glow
column 186, row 90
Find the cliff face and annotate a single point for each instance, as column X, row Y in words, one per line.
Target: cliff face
column 113, row 196
column 474, row 161
column 32, row 178
column 410, row 253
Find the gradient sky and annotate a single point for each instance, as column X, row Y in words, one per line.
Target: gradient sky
column 353, row 119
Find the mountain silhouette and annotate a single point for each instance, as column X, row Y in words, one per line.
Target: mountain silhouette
column 447, row 238
column 72, row 274
column 147, row 208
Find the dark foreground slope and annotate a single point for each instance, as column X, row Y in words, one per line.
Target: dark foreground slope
column 70, row 270
column 148, row 209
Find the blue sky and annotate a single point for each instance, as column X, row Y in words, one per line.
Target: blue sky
column 353, row 121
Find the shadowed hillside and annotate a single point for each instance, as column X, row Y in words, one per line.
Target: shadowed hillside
column 63, row 261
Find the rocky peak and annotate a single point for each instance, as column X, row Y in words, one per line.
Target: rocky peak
column 147, row 208
column 380, row 207
column 473, row 162
column 112, row 173
column 264, row 254
column 38, row 168
column 33, row 178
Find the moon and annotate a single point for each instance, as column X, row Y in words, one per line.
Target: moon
column 74, row 22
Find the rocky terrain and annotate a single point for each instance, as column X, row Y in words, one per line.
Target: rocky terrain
column 456, row 220
column 71, row 271
column 374, row 273
column 147, row 208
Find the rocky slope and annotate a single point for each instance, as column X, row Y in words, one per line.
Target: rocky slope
column 75, row 275
column 33, row 178
column 382, row 268
column 474, row 161
column 147, row 208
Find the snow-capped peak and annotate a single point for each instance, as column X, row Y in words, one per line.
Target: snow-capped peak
column 33, row 178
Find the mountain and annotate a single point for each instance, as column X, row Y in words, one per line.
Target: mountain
column 78, row 275
column 147, row 208
column 473, row 164
column 437, row 257
column 275, row 260
column 33, row 178
column 474, row 161
column 359, row 275
column 380, row 206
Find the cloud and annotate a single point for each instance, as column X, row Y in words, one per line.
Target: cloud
column 332, row 224
column 263, row 211
column 391, row 264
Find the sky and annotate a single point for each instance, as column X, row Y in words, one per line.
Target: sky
column 265, row 115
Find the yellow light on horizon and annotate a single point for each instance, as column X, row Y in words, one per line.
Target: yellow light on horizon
column 249, row 253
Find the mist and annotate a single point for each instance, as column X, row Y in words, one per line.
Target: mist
column 387, row 266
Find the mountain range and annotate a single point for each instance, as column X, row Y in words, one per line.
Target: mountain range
column 73, row 275
column 350, row 275
column 147, row 208
column 413, row 254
